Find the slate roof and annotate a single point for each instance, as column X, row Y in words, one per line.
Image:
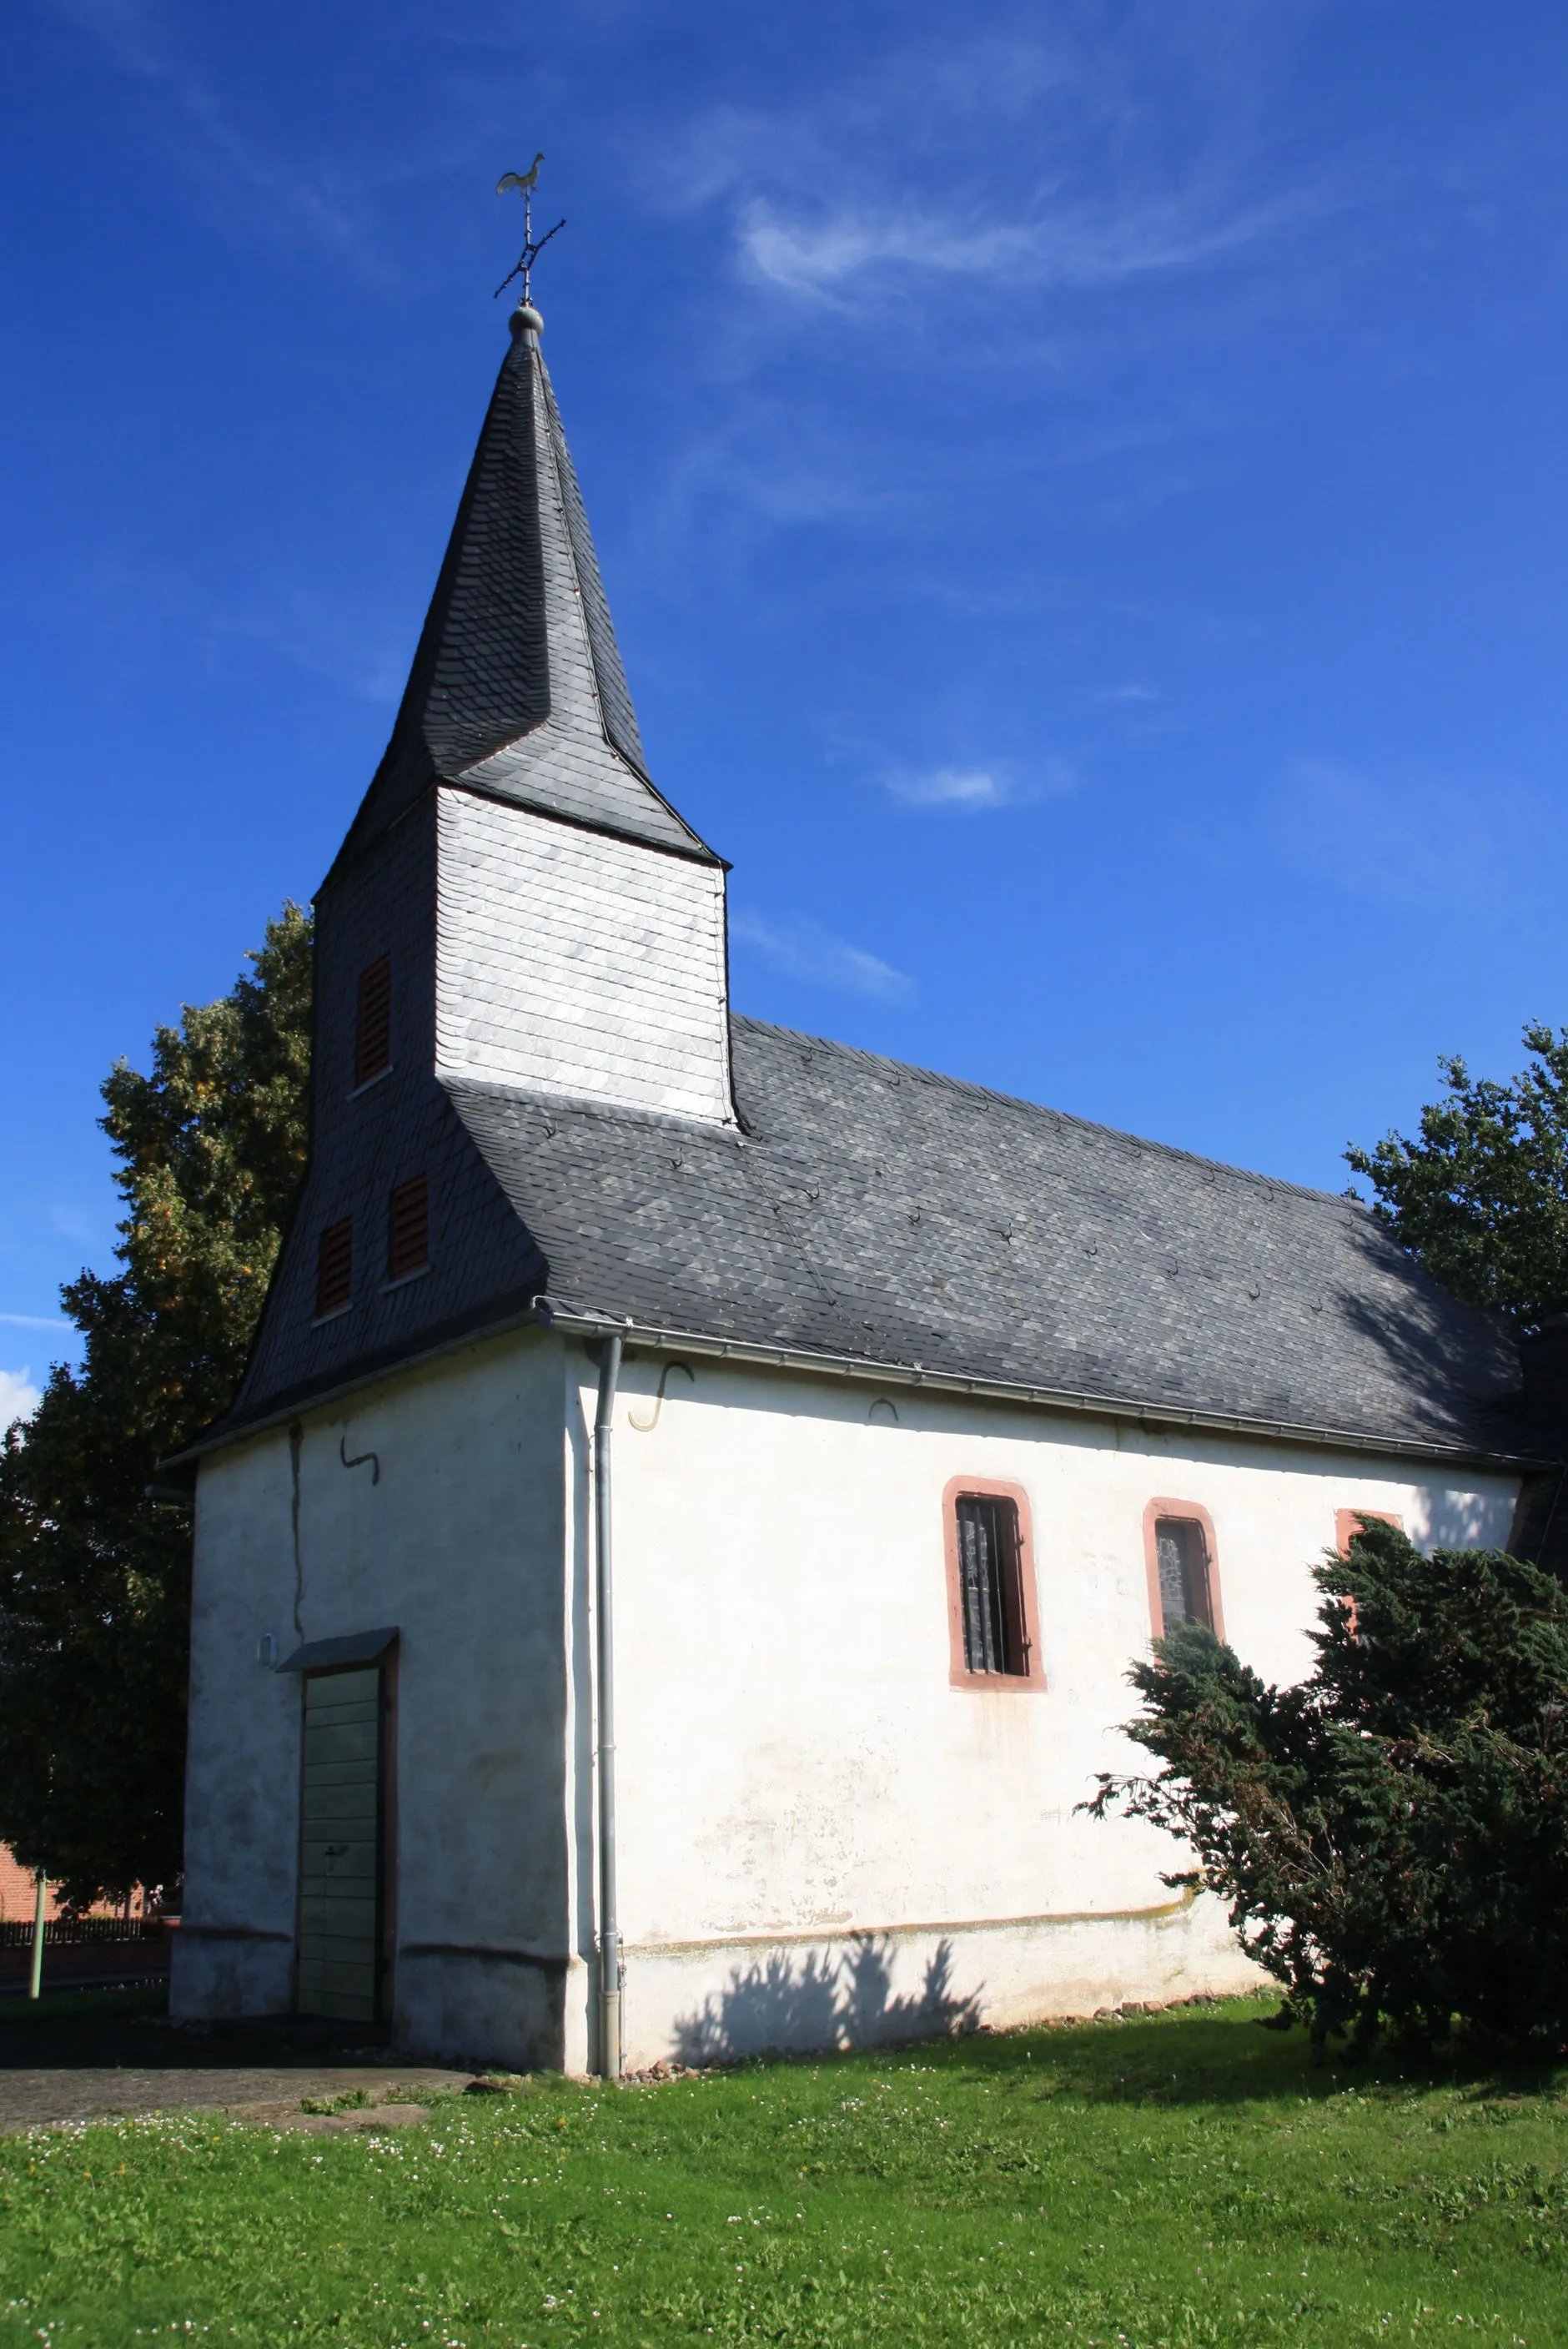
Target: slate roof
column 517, row 687
column 877, row 1210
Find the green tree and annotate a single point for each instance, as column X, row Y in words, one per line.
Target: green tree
column 95, row 1576
column 1482, row 1197
column 1391, row 1834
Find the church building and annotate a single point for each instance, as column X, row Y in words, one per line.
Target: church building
column 666, row 1583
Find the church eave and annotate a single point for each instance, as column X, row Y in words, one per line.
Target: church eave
column 540, row 1313
column 696, row 853
column 353, row 848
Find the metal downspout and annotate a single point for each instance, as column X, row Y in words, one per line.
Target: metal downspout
column 40, row 1914
column 610, row 2053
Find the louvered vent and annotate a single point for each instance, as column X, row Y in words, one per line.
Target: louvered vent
column 335, row 1267
column 373, row 1051
column 408, row 1229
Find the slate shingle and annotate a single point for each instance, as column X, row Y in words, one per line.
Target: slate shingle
column 518, row 651
column 880, row 1211
column 877, row 1211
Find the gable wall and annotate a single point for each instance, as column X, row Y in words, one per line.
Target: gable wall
column 460, row 1542
column 793, row 1761
column 364, row 1140
column 573, row 963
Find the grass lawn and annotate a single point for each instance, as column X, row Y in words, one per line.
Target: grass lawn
column 1180, row 2178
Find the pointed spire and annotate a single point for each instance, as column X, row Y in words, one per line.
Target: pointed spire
column 517, row 687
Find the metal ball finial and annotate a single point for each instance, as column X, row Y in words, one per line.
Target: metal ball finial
column 526, row 320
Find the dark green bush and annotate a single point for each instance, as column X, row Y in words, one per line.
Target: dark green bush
column 1391, row 1834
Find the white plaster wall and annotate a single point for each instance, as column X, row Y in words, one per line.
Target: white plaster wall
column 819, row 1838
column 459, row 1543
column 712, row 2002
column 794, row 1767
column 236, row 1950
column 579, row 964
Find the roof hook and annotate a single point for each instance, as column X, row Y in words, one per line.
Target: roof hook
column 359, row 1459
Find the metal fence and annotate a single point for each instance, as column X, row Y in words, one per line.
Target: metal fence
column 67, row 1933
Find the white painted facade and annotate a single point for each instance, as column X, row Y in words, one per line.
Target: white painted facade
column 575, row 963
column 820, row 1839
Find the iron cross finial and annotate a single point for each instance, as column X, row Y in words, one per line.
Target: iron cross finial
column 525, row 183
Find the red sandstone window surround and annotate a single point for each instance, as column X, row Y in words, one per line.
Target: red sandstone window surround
column 408, row 1229
column 992, row 1626
column 1181, row 1559
column 372, row 1038
column 1347, row 1524
column 334, row 1268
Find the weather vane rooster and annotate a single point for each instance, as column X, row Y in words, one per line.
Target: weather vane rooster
column 525, row 183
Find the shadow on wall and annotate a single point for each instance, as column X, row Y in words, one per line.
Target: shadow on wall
column 826, row 2002
column 1458, row 1521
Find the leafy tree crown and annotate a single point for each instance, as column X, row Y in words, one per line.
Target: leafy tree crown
column 93, row 1575
column 1481, row 1195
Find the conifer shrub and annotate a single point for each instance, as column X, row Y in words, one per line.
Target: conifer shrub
column 1391, row 1834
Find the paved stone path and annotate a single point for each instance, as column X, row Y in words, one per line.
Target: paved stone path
column 96, row 2069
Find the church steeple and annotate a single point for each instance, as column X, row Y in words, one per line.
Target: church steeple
column 517, row 689
column 574, row 937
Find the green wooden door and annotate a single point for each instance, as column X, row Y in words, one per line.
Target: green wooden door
column 340, row 1847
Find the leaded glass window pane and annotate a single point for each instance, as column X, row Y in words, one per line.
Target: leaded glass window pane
column 989, row 1582
column 1183, row 1571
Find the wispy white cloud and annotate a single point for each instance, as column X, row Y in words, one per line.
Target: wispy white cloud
column 314, row 635
column 1021, row 161
column 274, row 193
column 78, row 1223
column 18, row 1396
column 1419, row 840
column 974, row 790
column 805, row 950
column 814, row 256
column 1081, row 244
column 35, row 1321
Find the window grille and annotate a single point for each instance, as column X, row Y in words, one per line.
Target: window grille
column 373, row 1047
column 1183, row 1558
column 408, row 1229
column 335, row 1267
column 991, row 1586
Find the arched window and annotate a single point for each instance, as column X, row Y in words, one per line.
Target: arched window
column 993, row 1636
column 1182, row 1566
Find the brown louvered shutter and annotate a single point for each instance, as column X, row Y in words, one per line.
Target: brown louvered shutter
column 373, row 1051
column 335, row 1267
column 408, row 1229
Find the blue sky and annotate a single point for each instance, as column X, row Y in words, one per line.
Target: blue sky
column 1080, row 487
